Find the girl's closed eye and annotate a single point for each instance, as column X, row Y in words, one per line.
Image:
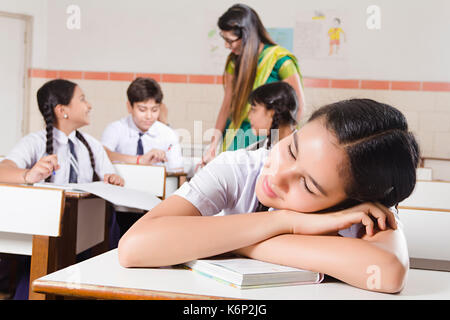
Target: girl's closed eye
column 303, row 180
column 290, row 151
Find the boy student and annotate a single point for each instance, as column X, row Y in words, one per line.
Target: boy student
column 140, row 138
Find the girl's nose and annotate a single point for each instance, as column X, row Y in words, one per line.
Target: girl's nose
column 281, row 175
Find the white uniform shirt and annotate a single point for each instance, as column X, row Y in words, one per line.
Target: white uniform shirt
column 228, row 183
column 31, row 148
column 122, row 136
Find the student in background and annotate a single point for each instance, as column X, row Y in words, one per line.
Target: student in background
column 331, row 184
column 273, row 109
column 60, row 153
column 254, row 59
column 140, row 138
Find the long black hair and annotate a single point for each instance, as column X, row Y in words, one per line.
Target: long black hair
column 382, row 153
column 53, row 93
column 280, row 97
column 245, row 24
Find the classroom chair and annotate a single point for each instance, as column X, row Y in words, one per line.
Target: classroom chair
column 145, row 178
column 425, row 216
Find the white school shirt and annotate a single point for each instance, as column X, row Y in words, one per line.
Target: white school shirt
column 122, row 136
column 31, row 148
column 228, row 183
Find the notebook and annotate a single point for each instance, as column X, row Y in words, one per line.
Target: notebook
column 245, row 273
column 120, row 196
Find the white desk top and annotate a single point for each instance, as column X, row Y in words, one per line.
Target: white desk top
column 105, row 274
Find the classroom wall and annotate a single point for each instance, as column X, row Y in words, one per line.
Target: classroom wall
column 38, row 9
column 120, row 39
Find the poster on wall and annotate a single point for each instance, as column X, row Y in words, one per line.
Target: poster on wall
column 216, row 49
column 321, row 34
column 283, row 37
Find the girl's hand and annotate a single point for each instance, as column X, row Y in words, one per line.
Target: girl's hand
column 42, row 169
column 372, row 215
column 153, row 156
column 114, row 179
column 209, row 155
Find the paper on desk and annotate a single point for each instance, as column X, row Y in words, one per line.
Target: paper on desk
column 120, row 196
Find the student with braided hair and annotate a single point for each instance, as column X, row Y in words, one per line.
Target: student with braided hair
column 272, row 113
column 59, row 154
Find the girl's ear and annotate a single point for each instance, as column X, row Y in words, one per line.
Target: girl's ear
column 60, row 112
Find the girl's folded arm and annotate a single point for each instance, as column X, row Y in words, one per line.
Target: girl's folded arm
column 378, row 263
column 175, row 232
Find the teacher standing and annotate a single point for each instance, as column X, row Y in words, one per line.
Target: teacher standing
column 254, row 60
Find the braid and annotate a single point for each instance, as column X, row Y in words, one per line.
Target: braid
column 274, row 126
column 49, row 119
column 80, row 137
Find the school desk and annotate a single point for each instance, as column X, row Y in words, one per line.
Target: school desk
column 150, row 178
column 102, row 277
column 425, row 216
column 52, row 226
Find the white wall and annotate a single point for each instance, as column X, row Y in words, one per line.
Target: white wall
column 38, row 10
column 171, row 37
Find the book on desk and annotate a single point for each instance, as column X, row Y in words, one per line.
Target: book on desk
column 245, row 273
column 117, row 195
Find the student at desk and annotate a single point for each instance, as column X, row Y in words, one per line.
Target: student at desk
column 331, row 183
column 140, row 138
column 60, row 153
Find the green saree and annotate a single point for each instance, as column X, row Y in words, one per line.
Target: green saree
column 275, row 63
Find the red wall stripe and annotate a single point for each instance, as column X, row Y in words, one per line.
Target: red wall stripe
column 406, row 85
column 217, row 79
column 375, row 84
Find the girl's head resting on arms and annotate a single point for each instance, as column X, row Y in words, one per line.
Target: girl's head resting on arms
column 349, row 152
column 273, row 105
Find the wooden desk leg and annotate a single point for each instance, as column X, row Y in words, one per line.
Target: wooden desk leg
column 43, row 261
column 67, row 241
column 104, row 246
column 53, row 253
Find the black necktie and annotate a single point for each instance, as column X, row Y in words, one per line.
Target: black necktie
column 73, row 176
column 140, row 148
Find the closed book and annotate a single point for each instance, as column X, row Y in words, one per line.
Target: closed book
column 245, row 273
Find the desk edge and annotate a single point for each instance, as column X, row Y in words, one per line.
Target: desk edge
column 113, row 293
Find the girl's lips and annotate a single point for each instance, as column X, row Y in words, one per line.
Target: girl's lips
column 269, row 192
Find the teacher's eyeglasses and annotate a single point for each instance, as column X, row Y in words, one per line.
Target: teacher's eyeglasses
column 229, row 41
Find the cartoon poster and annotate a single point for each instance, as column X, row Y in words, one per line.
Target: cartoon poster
column 321, row 34
column 217, row 53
